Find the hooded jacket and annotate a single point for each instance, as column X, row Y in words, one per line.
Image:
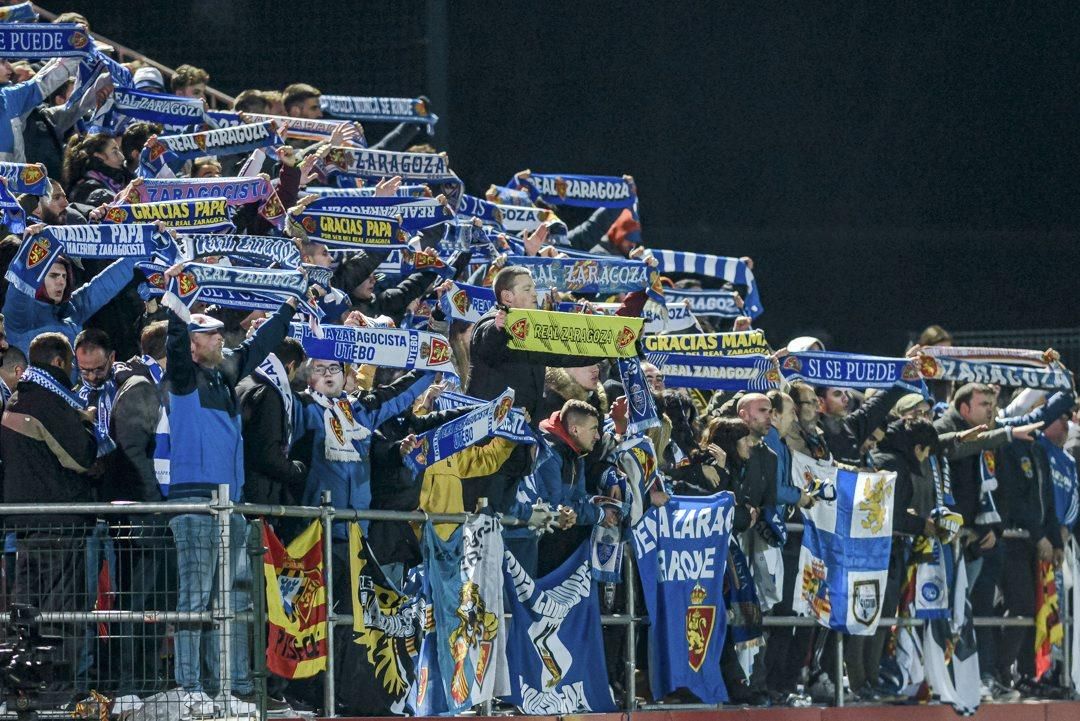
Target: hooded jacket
column 134, row 420
column 559, row 387
column 27, row 317
column 269, row 476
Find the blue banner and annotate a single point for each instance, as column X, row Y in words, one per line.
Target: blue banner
column 681, row 549
column 460, row 433
column 42, row 41
column 555, row 648
column 585, row 191
column 30, row 178
column 717, row 373
column 847, row 370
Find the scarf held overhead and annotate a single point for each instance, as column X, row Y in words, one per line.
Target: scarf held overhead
column 389, row 347
column 595, row 336
column 460, row 433
column 585, row 191
column 1052, row 378
column 42, row 41
column 848, row 370
column 732, row 270
column 718, row 373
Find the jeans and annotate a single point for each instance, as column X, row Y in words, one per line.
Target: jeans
column 197, row 545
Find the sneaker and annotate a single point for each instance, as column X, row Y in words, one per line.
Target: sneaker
column 992, row 691
column 274, row 706
column 125, row 704
column 822, row 689
column 798, row 700
column 199, row 705
column 232, row 705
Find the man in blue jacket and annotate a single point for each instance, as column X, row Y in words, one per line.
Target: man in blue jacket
column 559, row 481
column 206, row 449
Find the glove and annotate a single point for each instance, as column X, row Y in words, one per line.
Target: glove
column 541, row 518
column 822, row 490
column 949, row 523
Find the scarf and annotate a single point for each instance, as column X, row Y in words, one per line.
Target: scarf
column 237, row 191
column 1052, row 378
column 387, row 347
column 33, row 260
column 640, row 407
column 475, row 207
column 103, row 397
column 1004, row 355
column 403, row 191
column 44, row 41
column 460, row 433
column 718, row 373
column 197, row 279
column 596, row 275
column 75, row 400
column 171, row 150
column 740, row 599
column 23, row 12
column 848, row 370
column 679, row 316
column 114, row 179
column 413, row 214
column 342, row 431
column 731, row 270
column 988, row 513
column 171, row 111
column 220, row 296
column 507, row 196
column 373, row 165
column 273, row 372
column 25, row 178
column 5, row 393
column 467, row 303
column 583, row 191
column 750, row 342
column 349, row 232
column 14, row 217
column 379, row 110
column 206, row 216
column 715, row 303
column 109, row 241
column 248, row 248
column 942, row 482
column 515, row 429
column 306, row 129
column 595, row 336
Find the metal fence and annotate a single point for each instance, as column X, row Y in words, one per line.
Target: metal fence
column 126, row 640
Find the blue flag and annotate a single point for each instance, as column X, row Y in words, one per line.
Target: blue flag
column 681, row 549
column 555, row 648
column 846, row 542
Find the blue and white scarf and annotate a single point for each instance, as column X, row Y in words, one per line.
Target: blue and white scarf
column 374, row 165
column 172, row 150
column 171, row 111
column 715, row 303
column 14, row 217
column 273, row 372
column 29, row 266
column 475, row 207
column 381, row 110
column 1052, row 378
column 389, row 347
column 43, row 41
column 104, row 400
column 848, row 370
column 679, row 317
column 731, row 270
column 349, row 232
column 460, row 433
column 237, row 191
column 247, row 248
column 403, row 191
column 137, row 240
column 718, row 373
column 196, row 280
column 603, row 276
column 584, row 191
column 504, row 195
column 415, row 214
column 75, row 400
column 30, row 178
column 23, row 12
column 515, row 429
column 307, row 129
column 466, row 303
column 205, row 216
column 988, row 483
column 640, row 408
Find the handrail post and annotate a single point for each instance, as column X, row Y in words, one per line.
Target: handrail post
column 630, row 686
column 839, row 668
column 327, row 519
column 222, row 601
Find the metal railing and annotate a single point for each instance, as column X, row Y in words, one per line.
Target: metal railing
column 222, row 616
column 214, row 97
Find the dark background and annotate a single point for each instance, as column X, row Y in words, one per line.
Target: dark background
column 886, row 165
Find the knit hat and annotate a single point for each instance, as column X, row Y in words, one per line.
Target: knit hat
column 356, row 270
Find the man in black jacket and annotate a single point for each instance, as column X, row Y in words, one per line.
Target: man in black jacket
column 357, row 277
column 47, row 443
column 846, row 432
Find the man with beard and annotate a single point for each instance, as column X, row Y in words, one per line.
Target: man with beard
column 206, row 449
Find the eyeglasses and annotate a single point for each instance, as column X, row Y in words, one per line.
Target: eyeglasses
column 327, row 370
column 655, row 377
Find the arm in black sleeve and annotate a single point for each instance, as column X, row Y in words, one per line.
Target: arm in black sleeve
column 264, row 442
column 428, row 421
column 394, row 301
column 865, row 419
column 589, row 233
column 253, row 351
column 136, row 413
column 904, row 522
column 397, row 139
column 181, row 367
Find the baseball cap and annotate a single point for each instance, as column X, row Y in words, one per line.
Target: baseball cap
column 202, row 323
column 149, row 78
column 907, row 402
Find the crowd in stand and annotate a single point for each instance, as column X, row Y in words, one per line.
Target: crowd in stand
column 239, row 402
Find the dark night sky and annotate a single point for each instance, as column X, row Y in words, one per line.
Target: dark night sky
column 887, row 165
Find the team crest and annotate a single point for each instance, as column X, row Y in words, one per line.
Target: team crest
column 990, row 461
column 346, row 410
column 422, row 260
column 772, row 375
column 338, row 157
column 422, row 451
column 460, row 301
column 700, row 621
column 928, row 367
column 520, row 329
column 626, row 337
column 910, row 373
column 792, row 363
column 156, row 148
column 116, row 215
column 335, row 425
column 1025, row 466
column 38, row 252
column 186, row 282
column 561, row 187
column 272, row 208
column 815, row 591
column 502, row 409
column 437, row 353
column 79, row 40
column 200, row 140
column 308, row 224
column 420, row 109
column 477, row 629
column 157, row 280
column 865, row 601
column 32, row 174
column 298, row 591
